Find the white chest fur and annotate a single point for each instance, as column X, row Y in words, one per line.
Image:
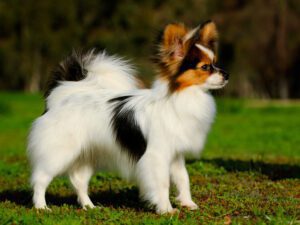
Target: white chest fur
column 179, row 122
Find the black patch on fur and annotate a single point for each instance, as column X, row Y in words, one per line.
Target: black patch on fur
column 70, row 69
column 190, row 61
column 128, row 132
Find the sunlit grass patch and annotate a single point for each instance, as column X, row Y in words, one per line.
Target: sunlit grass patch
column 249, row 172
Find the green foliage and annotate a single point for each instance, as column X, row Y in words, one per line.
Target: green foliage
column 255, row 129
column 254, row 43
column 242, row 177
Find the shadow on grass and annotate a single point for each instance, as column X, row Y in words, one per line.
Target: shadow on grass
column 128, row 197
column 123, row 198
column 19, row 197
column 272, row 170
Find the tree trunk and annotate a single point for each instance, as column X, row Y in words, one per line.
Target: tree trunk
column 34, row 83
column 281, row 50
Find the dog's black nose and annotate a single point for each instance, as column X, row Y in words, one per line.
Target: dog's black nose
column 225, row 74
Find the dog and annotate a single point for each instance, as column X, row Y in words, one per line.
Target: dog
column 98, row 118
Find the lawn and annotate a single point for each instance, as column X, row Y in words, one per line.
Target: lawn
column 249, row 172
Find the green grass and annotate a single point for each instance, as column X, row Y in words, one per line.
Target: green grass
column 249, row 172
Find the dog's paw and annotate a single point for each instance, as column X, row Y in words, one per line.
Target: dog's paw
column 166, row 209
column 190, row 205
column 89, row 206
column 174, row 211
column 44, row 208
column 171, row 211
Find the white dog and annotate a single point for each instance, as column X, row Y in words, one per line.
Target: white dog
column 98, row 118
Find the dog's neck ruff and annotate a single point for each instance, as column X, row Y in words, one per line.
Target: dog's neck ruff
column 186, row 115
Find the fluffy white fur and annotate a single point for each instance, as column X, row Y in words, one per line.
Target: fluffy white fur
column 75, row 136
column 104, row 72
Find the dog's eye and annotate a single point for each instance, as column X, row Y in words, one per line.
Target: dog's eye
column 206, row 67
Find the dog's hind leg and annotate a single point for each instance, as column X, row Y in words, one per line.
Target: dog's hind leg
column 80, row 177
column 40, row 181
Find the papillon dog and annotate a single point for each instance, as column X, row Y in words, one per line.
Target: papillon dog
column 98, row 117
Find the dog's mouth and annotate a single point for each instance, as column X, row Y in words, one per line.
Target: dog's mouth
column 224, row 83
column 219, row 85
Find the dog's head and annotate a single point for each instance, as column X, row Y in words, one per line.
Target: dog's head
column 187, row 57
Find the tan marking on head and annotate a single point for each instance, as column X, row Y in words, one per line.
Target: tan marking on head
column 190, row 78
column 209, row 36
column 173, row 35
column 172, row 49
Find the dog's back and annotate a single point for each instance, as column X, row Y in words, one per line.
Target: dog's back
column 89, row 71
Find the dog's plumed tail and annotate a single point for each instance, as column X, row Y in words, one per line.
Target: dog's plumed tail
column 89, row 71
column 70, row 69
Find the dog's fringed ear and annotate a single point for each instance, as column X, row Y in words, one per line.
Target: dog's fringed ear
column 208, row 35
column 172, row 40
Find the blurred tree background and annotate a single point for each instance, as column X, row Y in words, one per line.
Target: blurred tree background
column 259, row 39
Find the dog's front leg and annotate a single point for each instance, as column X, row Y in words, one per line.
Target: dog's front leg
column 153, row 175
column 180, row 178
